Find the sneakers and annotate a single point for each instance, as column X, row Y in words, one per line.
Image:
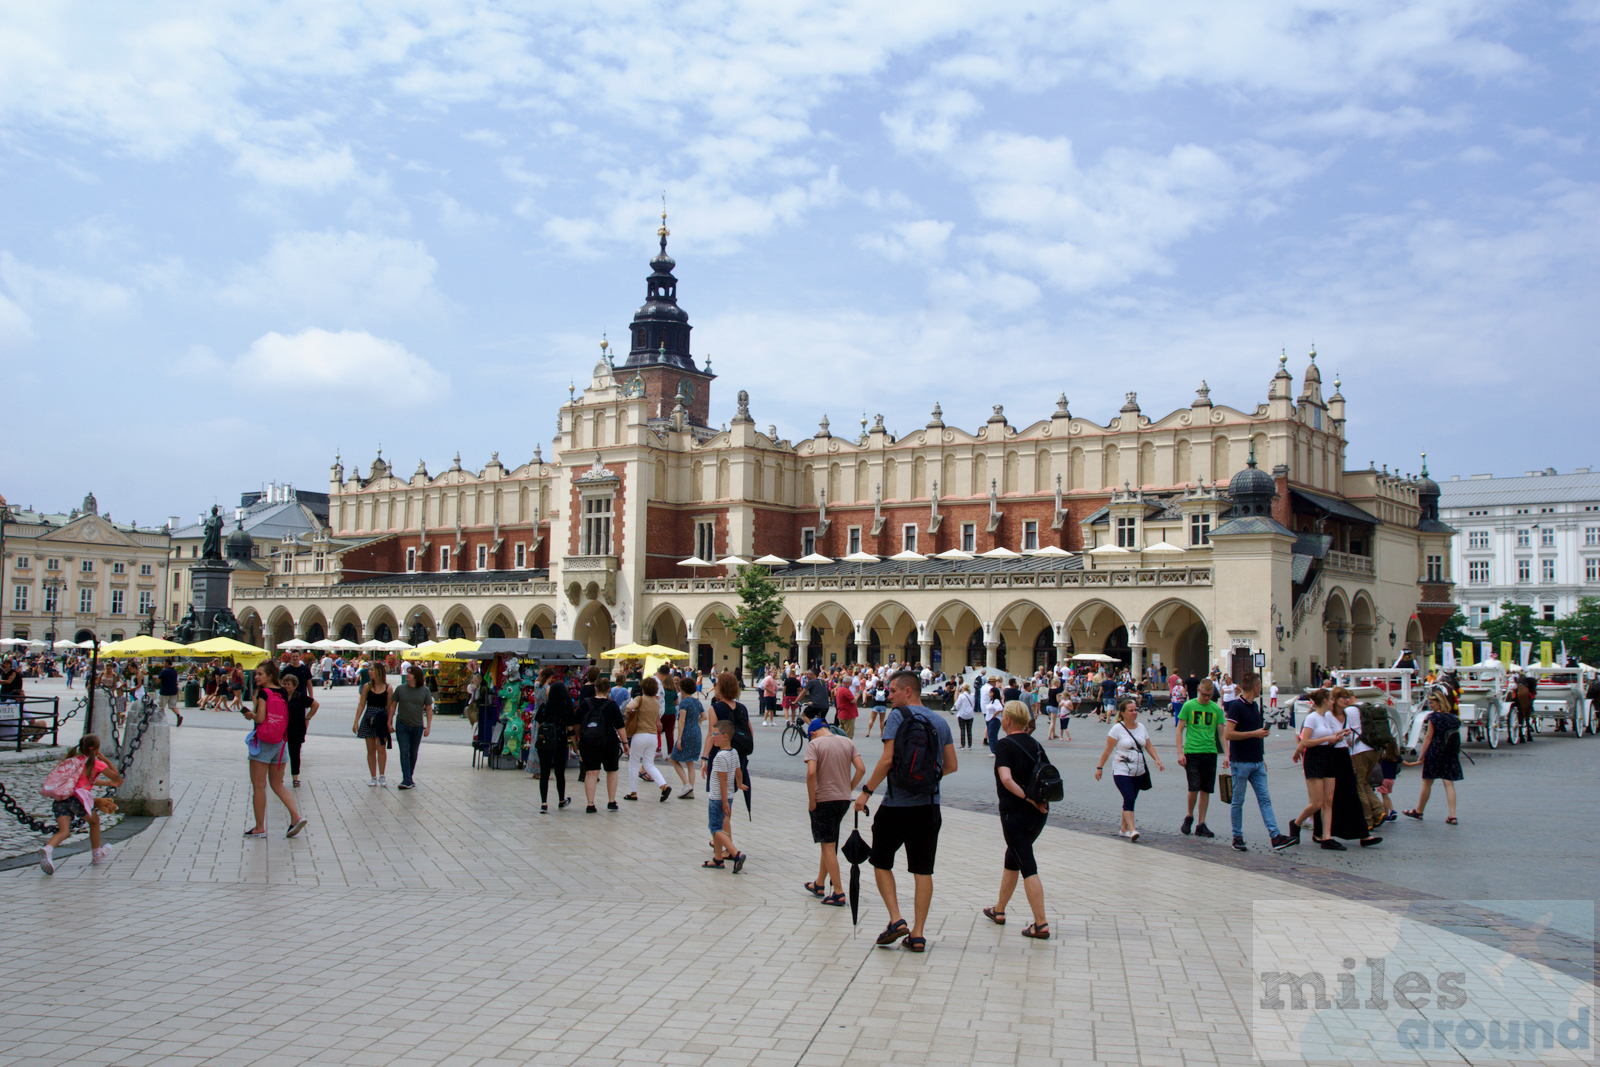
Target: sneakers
column 612, row 806
column 1331, row 845
column 564, row 802
column 1131, row 836
column 590, row 810
column 1201, row 831
column 101, row 855
column 1240, row 846
column 1392, row 816
column 383, row 779
column 1281, row 842
column 407, row 785
column 294, row 831
column 544, row 809
column 1188, row 824
column 47, row 860
column 373, row 783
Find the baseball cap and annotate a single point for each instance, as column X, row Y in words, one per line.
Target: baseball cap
column 816, row 724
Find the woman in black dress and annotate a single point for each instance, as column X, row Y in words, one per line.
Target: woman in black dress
column 1440, row 758
column 302, row 709
column 372, row 723
column 553, row 718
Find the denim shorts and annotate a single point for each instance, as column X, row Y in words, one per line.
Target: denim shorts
column 714, row 814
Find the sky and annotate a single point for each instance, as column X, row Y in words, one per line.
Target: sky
column 240, row 237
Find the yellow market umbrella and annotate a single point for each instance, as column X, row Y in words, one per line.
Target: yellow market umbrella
column 142, row 647
column 634, row 651
column 228, row 648
column 441, row 650
column 663, row 652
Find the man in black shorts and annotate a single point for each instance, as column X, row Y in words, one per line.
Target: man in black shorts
column 600, row 742
column 833, row 769
column 905, row 818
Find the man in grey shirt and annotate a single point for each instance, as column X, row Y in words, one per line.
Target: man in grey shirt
column 411, row 719
column 906, row 818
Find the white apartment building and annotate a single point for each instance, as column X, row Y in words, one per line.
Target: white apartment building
column 1532, row 540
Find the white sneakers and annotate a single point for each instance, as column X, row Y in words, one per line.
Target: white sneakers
column 101, row 855
column 373, row 784
column 47, row 860
column 383, row 779
column 1131, row 836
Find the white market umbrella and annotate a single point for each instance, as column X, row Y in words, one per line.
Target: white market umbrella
column 295, row 644
column 908, row 556
column 1001, row 552
column 1053, row 551
column 1107, row 552
column 327, row 644
column 954, row 553
column 695, row 561
column 859, row 557
column 1162, row 548
column 394, row 646
column 373, row 645
column 345, row 646
column 814, row 558
column 731, row 562
column 1095, row 657
column 12, row 642
column 769, row 560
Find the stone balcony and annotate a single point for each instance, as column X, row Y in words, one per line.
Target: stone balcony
column 802, row 583
column 589, row 578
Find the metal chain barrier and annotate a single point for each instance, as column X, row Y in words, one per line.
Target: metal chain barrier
column 39, row 826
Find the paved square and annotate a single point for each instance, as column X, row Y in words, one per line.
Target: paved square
column 456, row 925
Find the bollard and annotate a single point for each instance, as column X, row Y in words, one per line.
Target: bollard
column 147, row 785
column 99, row 723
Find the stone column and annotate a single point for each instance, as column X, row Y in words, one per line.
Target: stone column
column 147, row 787
column 925, row 649
column 1062, row 652
column 1136, row 650
column 861, row 651
column 991, row 655
column 804, row 648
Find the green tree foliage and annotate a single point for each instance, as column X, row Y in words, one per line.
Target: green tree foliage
column 1451, row 633
column 1581, row 631
column 755, row 625
column 1515, row 624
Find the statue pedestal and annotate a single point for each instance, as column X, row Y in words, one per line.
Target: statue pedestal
column 209, row 586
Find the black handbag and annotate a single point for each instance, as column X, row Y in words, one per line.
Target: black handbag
column 1144, row 779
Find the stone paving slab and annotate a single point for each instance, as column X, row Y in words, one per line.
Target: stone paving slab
column 455, row 925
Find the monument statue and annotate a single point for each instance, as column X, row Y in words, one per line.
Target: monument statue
column 186, row 627
column 211, row 547
column 223, row 624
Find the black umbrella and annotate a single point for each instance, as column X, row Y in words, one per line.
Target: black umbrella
column 857, row 851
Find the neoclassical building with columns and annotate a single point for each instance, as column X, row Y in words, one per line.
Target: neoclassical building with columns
column 1199, row 538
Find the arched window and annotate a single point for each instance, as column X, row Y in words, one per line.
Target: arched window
column 536, row 632
column 347, row 632
column 1044, row 649
column 383, row 633
column 315, row 632
column 457, row 632
column 495, row 631
column 976, row 656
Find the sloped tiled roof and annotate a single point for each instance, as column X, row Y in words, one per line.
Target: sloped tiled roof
column 1535, row 489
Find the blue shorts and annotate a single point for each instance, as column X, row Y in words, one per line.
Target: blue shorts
column 714, row 815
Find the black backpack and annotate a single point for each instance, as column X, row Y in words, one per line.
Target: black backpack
column 918, row 756
column 1047, row 785
column 592, row 727
column 744, row 742
column 1377, row 731
column 1452, row 743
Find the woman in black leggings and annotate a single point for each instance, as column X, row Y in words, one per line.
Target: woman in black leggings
column 302, row 709
column 553, row 717
column 1021, row 820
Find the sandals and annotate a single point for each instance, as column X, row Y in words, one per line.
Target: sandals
column 815, row 890
column 713, row 864
column 916, row 944
column 892, row 933
column 1413, row 813
column 1451, row 821
column 837, row 900
column 631, row 796
column 666, row 792
column 1037, row 930
column 996, row 917
column 255, row 833
column 738, row 862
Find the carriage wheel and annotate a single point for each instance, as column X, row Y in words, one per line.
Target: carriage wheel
column 1491, row 727
column 1511, row 727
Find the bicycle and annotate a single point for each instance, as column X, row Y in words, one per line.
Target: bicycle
column 793, row 737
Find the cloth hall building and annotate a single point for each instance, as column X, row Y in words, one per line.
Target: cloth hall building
column 1195, row 539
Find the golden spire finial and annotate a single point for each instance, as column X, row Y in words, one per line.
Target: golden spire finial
column 663, row 232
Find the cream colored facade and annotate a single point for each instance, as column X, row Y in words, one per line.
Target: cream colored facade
column 104, row 577
column 1109, row 525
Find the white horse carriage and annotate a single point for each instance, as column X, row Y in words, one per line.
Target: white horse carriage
column 1560, row 699
column 1482, row 707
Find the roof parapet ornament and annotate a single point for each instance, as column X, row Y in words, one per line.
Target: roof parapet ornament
column 936, row 422
column 1063, row 409
column 877, row 509
column 822, row 427
column 995, row 514
column 1131, row 404
column 743, row 414
column 1060, row 518
column 937, row 519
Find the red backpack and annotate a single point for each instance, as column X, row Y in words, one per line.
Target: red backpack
column 276, row 726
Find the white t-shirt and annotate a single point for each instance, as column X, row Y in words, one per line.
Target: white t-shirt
column 726, row 760
column 1321, row 724
column 1273, row 693
column 964, row 706
column 992, row 704
column 1229, row 692
column 1352, row 720
column 1127, row 758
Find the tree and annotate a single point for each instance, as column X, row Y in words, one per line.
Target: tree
column 755, row 625
column 1515, row 624
column 1581, row 631
column 1451, row 633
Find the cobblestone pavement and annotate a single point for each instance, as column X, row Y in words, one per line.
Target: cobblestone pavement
column 455, row 925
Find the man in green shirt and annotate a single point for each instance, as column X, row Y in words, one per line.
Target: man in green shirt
column 1200, row 726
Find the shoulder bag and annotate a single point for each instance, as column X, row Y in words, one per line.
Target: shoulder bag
column 1144, row 779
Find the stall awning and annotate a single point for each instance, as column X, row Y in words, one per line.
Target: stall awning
column 547, row 651
column 1333, row 506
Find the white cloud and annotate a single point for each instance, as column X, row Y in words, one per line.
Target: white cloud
column 350, row 278
column 14, row 325
column 342, row 368
column 37, row 286
column 920, row 241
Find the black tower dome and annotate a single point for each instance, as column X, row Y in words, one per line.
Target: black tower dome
column 660, row 332
column 240, row 544
column 1252, row 490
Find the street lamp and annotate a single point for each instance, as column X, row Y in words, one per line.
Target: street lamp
column 53, row 587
